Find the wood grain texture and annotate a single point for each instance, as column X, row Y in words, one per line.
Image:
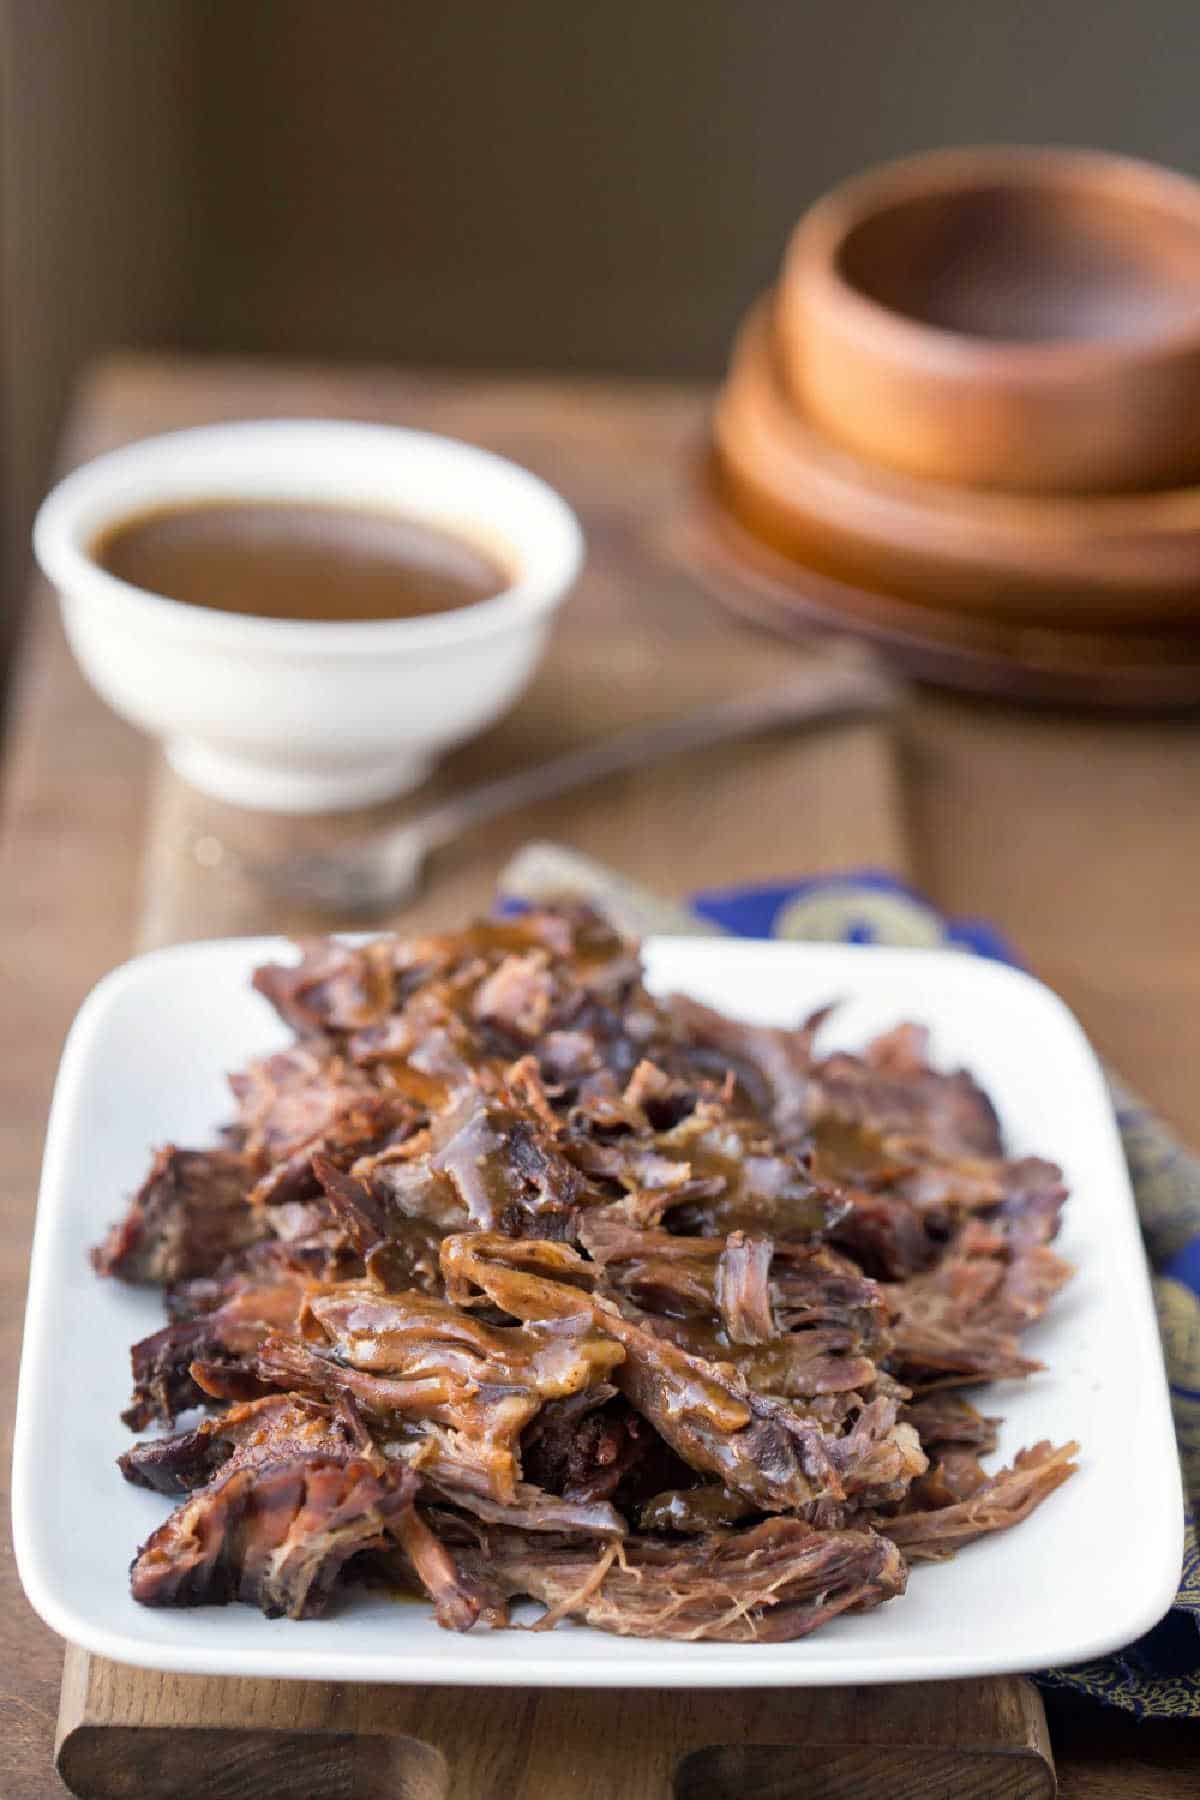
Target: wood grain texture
column 977, row 1740
column 831, row 786
column 1075, row 836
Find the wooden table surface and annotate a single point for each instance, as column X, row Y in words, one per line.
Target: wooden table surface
column 1076, row 837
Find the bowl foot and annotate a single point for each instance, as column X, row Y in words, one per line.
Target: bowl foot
column 277, row 787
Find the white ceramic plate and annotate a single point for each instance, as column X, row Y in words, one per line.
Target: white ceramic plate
column 1096, row 1565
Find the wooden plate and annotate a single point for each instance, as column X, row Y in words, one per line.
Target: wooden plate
column 1125, row 562
column 1117, row 672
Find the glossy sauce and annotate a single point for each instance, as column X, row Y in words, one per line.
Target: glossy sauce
column 296, row 560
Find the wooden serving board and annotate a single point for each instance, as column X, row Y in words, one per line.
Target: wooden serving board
column 127, row 1732
column 639, row 639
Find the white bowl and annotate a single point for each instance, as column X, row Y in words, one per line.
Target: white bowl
column 294, row 715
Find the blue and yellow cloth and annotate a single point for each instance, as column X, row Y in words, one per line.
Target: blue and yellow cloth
column 1159, row 1676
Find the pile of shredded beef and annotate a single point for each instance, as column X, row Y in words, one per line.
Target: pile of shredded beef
column 511, row 1281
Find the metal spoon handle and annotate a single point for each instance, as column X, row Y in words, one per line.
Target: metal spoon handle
column 823, row 691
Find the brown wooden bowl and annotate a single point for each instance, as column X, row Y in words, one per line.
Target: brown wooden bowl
column 1110, row 562
column 1019, row 319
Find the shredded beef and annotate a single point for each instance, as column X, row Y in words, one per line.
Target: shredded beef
column 993, row 1504
column 514, row 1282
column 775, row 1581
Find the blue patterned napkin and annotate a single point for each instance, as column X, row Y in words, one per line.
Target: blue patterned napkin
column 1159, row 1676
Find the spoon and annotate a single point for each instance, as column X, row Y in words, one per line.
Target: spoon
column 386, row 869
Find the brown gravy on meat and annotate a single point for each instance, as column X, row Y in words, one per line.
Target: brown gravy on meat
column 298, row 560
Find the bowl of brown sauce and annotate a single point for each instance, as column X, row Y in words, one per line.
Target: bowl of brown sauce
column 307, row 612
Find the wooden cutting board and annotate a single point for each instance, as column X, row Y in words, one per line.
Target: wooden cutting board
column 639, row 639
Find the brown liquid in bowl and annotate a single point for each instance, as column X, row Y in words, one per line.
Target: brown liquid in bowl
column 298, row 560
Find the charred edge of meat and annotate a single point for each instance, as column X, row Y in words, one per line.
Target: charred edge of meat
column 190, row 1213
column 274, row 1537
column 280, row 1427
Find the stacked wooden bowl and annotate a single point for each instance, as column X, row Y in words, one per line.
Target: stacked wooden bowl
column 966, row 423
